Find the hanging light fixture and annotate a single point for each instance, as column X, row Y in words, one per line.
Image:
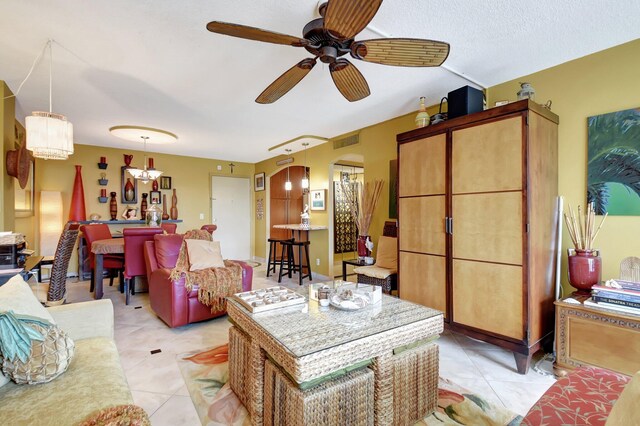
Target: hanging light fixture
column 49, row 135
column 305, row 179
column 147, row 134
column 287, row 184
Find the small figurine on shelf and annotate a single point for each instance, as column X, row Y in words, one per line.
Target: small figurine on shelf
column 103, row 181
column 103, row 163
column 130, row 213
column 304, row 217
column 103, row 196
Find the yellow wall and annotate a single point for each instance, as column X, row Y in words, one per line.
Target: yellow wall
column 7, row 119
column 377, row 146
column 604, row 82
column 190, row 176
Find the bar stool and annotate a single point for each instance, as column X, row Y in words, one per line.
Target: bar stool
column 291, row 266
column 273, row 260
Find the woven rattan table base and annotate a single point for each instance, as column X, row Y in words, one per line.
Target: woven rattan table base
column 347, row 400
column 405, row 385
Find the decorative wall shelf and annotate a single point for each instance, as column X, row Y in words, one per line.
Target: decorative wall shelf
column 103, row 182
column 102, row 166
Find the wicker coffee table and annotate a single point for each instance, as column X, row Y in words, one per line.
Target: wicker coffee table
column 313, row 347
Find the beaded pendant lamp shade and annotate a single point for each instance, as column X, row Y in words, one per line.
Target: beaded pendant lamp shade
column 49, row 135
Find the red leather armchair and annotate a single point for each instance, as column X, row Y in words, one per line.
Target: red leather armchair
column 134, row 264
column 169, row 299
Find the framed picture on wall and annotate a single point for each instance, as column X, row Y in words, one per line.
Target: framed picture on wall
column 154, row 197
column 165, row 182
column 318, row 197
column 259, row 181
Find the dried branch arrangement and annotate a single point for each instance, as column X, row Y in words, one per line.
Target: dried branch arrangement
column 582, row 227
column 362, row 202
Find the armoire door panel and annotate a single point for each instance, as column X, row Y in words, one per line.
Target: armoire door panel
column 488, row 227
column 423, row 227
column 423, row 280
column 488, row 157
column 488, row 297
column 422, row 167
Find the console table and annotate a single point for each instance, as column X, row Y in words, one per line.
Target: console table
column 588, row 335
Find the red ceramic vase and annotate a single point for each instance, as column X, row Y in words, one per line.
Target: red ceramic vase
column 154, row 185
column 584, row 268
column 77, row 211
column 363, row 251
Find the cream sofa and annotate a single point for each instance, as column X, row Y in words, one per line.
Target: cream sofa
column 94, row 380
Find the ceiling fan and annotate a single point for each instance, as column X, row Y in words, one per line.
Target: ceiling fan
column 332, row 36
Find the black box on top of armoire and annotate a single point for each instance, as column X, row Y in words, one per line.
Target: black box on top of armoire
column 463, row 101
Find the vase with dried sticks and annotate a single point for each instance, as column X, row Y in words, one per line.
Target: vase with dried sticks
column 362, row 201
column 584, row 265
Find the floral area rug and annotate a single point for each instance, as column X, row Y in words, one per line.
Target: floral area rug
column 206, row 375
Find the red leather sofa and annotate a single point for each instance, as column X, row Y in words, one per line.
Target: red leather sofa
column 169, row 299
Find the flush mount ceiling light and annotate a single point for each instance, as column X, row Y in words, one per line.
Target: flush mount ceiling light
column 49, row 135
column 146, row 134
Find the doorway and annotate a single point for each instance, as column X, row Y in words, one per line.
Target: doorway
column 231, row 211
column 345, row 232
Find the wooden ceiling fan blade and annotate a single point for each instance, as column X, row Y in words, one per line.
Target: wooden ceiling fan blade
column 251, row 33
column 349, row 80
column 403, row 52
column 346, row 18
column 286, row 81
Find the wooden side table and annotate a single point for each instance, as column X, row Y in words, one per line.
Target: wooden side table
column 600, row 337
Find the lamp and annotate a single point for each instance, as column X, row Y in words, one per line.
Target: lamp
column 305, row 179
column 49, row 135
column 147, row 134
column 287, row 184
column 50, row 221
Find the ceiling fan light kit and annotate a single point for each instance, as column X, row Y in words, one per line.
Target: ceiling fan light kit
column 332, row 36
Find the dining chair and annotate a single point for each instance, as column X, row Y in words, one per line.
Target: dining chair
column 169, row 228
column 134, row 263
column 209, row 228
column 57, row 292
column 114, row 263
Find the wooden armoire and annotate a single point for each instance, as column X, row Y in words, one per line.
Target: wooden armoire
column 477, row 205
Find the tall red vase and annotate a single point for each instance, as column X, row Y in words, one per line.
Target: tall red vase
column 77, row 211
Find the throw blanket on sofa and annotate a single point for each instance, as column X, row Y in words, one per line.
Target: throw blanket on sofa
column 214, row 284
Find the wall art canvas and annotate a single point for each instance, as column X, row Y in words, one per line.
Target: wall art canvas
column 613, row 170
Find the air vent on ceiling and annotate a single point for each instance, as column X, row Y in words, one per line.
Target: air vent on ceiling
column 346, row 141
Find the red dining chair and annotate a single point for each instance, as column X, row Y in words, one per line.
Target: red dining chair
column 169, row 228
column 209, row 228
column 114, row 263
column 134, row 263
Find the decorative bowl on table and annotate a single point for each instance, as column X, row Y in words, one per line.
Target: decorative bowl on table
column 347, row 300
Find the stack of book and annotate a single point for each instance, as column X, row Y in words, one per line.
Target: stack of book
column 618, row 295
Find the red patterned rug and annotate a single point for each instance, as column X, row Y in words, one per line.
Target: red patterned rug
column 206, row 375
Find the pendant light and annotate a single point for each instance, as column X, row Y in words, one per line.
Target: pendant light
column 147, row 134
column 305, row 179
column 287, row 184
column 49, row 135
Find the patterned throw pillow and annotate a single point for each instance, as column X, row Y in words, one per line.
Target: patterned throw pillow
column 48, row 359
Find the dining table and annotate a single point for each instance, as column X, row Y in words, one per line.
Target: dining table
column 99, row 248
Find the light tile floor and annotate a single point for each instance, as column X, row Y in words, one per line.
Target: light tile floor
column 157, row 384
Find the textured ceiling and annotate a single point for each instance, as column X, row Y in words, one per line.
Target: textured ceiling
column 153, row 63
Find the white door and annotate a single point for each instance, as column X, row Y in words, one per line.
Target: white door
column 231, row 211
